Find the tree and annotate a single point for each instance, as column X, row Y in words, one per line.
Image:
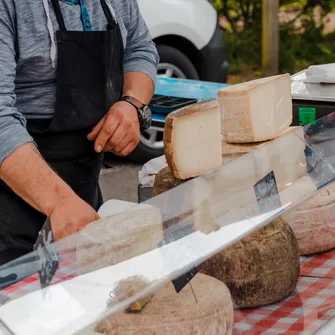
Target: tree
column 246, row 13
column 302, row 40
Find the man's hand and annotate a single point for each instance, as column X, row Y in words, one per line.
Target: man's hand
column 118, row 131
column 71, row 215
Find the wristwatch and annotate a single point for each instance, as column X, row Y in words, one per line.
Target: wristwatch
column 143, row 112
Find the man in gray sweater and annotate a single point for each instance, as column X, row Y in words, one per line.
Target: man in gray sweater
column 75, row 78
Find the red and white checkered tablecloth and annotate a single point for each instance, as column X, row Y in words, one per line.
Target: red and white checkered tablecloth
column 65, row 271
column 305, row 312
column 321, row 265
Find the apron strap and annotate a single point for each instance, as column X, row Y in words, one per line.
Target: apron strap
column 59, row 15
column 111, row 21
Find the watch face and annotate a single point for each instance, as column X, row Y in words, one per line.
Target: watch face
column 145, row 118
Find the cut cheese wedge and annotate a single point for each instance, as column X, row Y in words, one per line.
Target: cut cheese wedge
column 179, row 314
column 261, row 269
column 313, row 222
column 257, row 110
column 192, row 139
column 117, row 238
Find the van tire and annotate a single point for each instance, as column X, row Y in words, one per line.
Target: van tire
column 175, row 57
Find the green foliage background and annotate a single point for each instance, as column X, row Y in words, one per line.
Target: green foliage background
column 298, row 48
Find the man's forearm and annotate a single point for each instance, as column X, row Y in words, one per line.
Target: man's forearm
column 139, row 86
column 30, row 177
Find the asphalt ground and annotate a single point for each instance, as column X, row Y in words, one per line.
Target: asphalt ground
column 120, row 181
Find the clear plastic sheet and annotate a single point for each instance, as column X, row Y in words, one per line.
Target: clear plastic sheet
column 160, row 240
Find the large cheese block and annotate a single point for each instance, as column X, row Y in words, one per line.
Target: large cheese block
column 192, row 139
column 261, row 269
column 257, row 110
column 179, row 314
column 117, row 238
column 232, row 190
column 313, row 222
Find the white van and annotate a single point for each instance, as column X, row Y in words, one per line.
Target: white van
column 188, row 38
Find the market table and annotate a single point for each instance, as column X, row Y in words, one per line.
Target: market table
column 307, row 311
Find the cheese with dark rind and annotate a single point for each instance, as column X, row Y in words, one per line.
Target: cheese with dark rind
column 179, row 314
column 192, row 139
column 261, row 269
column 165, row 181
column 117, row 238
column 313, row 222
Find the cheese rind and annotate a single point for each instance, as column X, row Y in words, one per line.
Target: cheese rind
column 257, row 110
column 261, row 269
column 165, row 181
column 192, row 139
column 179, row 314
column 117, row 238
column 313, row 222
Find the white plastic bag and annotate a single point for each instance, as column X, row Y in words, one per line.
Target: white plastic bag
column 149, row 170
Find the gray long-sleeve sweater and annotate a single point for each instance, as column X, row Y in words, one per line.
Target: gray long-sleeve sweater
column 27, row 74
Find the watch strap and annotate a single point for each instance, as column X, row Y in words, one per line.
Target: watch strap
column 133, row 101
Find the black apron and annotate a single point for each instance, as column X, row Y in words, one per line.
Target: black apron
column 89, row 81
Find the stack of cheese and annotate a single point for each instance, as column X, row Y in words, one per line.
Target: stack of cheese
column 250, row 112
column 248, row 116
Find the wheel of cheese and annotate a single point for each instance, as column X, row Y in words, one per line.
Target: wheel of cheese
column 313, row 222
column 165, row 181
column 179, row 314
column 261, row 269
